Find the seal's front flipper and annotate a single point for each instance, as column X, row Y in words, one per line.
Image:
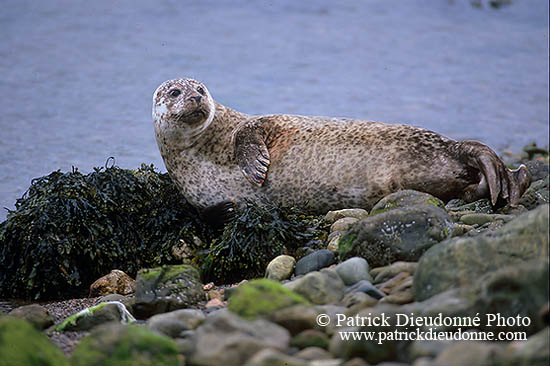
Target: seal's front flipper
column 251, row 152
column 219, row 214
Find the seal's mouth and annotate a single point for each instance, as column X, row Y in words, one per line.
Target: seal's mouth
column 191, row 117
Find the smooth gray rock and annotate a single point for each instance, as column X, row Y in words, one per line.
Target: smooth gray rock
column 367, row 288
column 35, row 314
column 353, row 270
column 405, row 198
column 280, row 268
column 314, row 262
column 324, row 287
column 175, row 322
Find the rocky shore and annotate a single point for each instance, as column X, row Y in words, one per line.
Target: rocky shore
column 413, row 282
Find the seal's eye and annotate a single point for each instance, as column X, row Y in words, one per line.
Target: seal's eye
column 201, row 90
column 174, row 93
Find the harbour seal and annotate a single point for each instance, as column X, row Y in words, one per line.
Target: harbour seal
column 220, row 158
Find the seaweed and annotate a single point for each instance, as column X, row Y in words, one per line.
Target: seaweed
column 68, row 229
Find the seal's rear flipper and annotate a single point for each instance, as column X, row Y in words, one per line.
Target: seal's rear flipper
column 219, row 214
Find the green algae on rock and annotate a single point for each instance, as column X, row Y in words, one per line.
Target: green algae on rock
column 167, row 288
column 116, row 344
column 96, row 315
column 22, row 344
column 69, row 229
column 261, row 298
column 405, row 198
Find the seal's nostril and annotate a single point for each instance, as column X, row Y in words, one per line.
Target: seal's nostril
column 196, row 98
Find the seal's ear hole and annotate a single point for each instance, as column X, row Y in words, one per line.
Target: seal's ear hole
column 201, row 90
column 174, row 93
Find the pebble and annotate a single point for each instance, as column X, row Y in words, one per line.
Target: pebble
column 343, row 224
column 314, row 262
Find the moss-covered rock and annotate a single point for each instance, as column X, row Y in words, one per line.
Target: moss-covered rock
column 95, row 315
column 21, row 344
column 460, row 261
column 115, row 344
column 69, row 229
column 310, row 338
column 167, row 288
column 405, row 198
column 399, row 234
column 261, row 298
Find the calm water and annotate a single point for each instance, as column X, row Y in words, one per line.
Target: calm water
column 77, row 77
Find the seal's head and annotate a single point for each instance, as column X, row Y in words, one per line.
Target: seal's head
column 182, row 110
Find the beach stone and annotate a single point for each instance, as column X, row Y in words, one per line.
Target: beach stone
column 273, row 357
column 534, row 351
column 175, row 322
column 461, row 229
column 333, row 241
column 22, row 344
column 470, row 353
column 226, row 339
column 35, row 314
column 461, row 261
column 424, row 348
column 262, row 297
column 324, row 287
column 95, row 315
column 314, row 262
column 358, row 301
column 343, row 224
column 366, row 287
column 405, row 198
column 482, row 219
column 385, row 273
column 313, row 353
column 400, row 234
column 480, row 206
column 296, row 318
column 116, row 282
column 310, row 338
column 394, row 283
column 353, row 270
column 167, row 288
column 116, row 344
column 401, row 297
column 280, row 268
column 333, row 216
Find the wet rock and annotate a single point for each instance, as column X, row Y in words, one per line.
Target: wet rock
column 96, row 315
column 261, row 298
column 116, row 282
column 382, row 274
column 280, row 268
column 172, row 324
column 116, row 344
column 226, row 339
column 357, row 301
column 333, row 216
column 314, row 262
column 313, row 353
column 353, row 270
column 461, row 229
column 343, row 224
column 272, row 357
column 367, row 288
column 470, row 353
column 35, row 314
column 333, row 241
column 534, row 351
column 394, row 282
column 296, row 318
column 400, row 234
column 324, row 287
column 461, row 261
column 310, row 338
column 538, row 169
column 537, row 194
column 481, row 219
column 22, row 344
column 167, row 288
column 405, row 198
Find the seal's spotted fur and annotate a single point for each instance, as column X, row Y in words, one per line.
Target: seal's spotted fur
column 217, row 154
